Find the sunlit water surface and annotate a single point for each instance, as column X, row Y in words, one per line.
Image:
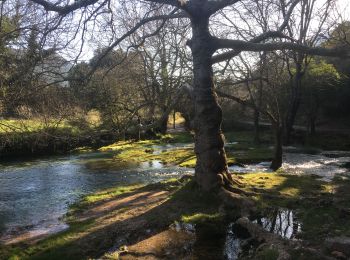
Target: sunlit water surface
column 35, row 194
column 325, row 165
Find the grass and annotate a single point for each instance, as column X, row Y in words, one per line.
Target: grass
column 40, row 137
column 35, row 125
column 319, row 206
column 90, row 238
column 323, row 208
column 329, row 141
column 96, row 197
column 245, row 151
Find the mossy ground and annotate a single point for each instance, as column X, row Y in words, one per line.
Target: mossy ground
column 323, row 208
column 126, row 213
column 97, row 223
column 240, row 149
column 134, row 213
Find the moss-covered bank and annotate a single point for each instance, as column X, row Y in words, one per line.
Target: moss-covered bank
column 126, row 216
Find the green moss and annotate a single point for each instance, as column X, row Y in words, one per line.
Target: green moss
column 84, row 149
column 267, row 254
column 55, row 247
column 182, row 137
column 250, row 155
column 83, row 238
column 107, row 194
column 322, row 207
column 247, row 137
column 201, row 218
column 143, row 151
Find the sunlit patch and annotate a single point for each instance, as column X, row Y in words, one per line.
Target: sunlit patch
column 32, row 234
column 319, row 165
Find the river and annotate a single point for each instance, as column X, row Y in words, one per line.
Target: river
column 35, row 194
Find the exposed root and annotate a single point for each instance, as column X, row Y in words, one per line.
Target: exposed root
column 227, row 178
column 235, row 200
column 264, row 237
column 271, row 240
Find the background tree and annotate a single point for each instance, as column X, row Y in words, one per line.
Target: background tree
column 211, row 166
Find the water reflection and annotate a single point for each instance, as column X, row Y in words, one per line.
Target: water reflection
column 232, row 246
column 282, row 222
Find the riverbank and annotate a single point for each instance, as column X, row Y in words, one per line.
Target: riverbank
column 175, row 219
column 29, row 138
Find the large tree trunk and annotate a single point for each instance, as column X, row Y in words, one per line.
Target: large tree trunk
column 211, row 168
column 278, row 152
column 313, row 127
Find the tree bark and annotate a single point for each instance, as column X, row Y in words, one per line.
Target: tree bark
column 294, row 103
column 211, row 168
column 313, row 126
column 163, row 124
column 278, row 152
column 256, row 126
column 174, row 119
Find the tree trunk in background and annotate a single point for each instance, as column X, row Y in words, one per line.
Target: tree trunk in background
column 294, row 103
column 174, row 119
column 259, row 101
column 278, row 152
column 211, row 168
column 256, row 127
column 163, row 124
column 313, row 126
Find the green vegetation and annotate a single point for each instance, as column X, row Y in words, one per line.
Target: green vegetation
column 202, row 218
column 329, row 141
column 318, row 206
column 267, row 254
column 87, row 235
column 323, row 208
column 35, row 137
column 244, row 151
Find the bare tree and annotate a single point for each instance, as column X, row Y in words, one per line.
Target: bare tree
column 211, row 167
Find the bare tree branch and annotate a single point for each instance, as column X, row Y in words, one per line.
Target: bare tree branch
column 239, row 45
column 262, row 37
column 64, row 10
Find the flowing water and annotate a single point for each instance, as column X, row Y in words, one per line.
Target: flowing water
column 325, row 165
column 35, row 194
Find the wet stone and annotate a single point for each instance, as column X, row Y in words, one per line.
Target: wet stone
column 339, row 244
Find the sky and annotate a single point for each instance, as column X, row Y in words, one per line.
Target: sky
column 343, row 13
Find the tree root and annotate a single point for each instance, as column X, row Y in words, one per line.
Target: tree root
column 283, row 246
column 232, row 199
column 263, row 236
